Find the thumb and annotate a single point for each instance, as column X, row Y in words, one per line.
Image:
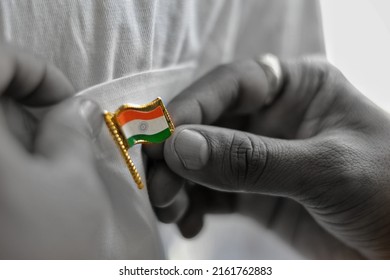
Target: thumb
column 231, row 160
column 69, row 129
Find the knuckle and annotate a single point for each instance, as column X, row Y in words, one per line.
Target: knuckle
column 332, row 153
column 306, row 76
column 326, row 71
column 339, row 162
column 316, row 63
column 340, row 168
column 245, row 161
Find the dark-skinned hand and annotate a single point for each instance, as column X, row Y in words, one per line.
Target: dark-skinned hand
column 313, row 165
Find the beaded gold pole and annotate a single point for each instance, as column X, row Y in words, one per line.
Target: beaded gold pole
column 123, row 147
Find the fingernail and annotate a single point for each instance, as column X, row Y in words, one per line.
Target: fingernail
column 192, row 149
column 92, row 113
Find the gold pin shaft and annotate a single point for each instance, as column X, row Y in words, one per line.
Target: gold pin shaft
column 123, row 149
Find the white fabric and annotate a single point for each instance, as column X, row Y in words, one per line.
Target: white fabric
column 123, row 51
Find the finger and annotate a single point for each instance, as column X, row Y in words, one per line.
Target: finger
column 10, row 150
column 204, row 201
column 30, row 80
column 69, row 130
column 163, row 185
column 21, row 124
column 175, row 210
column 239, row 87
column 231, row 160
column 166, row 193
column 304, row 81
column 192, row 222
column 243, row 88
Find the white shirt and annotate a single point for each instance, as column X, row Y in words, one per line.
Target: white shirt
column 123, row 51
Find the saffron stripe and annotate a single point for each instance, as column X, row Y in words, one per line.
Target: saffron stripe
column 134, row 114
column 155, row 138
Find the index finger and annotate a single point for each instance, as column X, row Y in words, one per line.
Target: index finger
column 240, row 87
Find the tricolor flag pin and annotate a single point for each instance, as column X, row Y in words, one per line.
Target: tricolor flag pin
column 136, row 124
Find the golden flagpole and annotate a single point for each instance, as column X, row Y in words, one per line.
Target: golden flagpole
column 123, row 147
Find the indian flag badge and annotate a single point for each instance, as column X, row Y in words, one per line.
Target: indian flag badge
column 136, row 124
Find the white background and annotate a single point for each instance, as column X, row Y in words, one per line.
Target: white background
column 357, row 36
column 109, row 270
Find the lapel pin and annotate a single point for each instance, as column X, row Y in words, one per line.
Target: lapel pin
column 138, row 124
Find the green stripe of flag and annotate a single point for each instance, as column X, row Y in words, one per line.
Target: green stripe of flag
column 155, row 138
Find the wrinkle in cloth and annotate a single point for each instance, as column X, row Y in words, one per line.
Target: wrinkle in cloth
column 131, row 51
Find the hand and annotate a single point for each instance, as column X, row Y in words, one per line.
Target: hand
column 52, row 200
column 313, row 165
